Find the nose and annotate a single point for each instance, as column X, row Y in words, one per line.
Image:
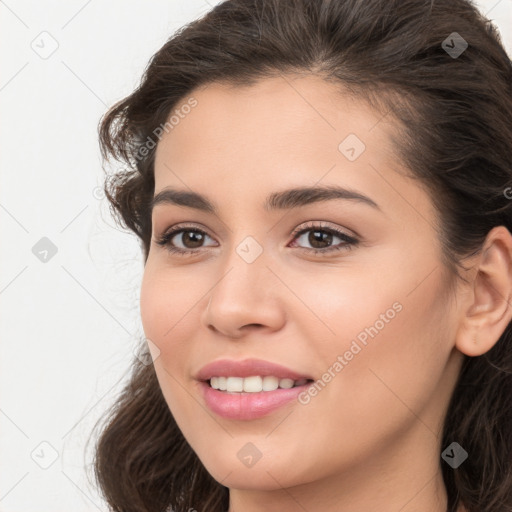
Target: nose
column 245, row 298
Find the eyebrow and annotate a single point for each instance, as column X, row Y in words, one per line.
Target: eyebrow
column 282, row 200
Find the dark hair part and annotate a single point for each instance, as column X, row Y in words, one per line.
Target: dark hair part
column 454, row 133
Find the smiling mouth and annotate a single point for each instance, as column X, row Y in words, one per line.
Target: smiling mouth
column 254, row 384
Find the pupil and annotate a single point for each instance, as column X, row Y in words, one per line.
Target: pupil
column 319, row 236
column 198, row 237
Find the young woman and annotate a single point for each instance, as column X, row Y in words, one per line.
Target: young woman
column 322, row 194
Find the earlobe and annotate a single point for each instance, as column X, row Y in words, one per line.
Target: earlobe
column 490, row 310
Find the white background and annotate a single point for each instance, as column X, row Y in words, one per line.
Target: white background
column 70, row 325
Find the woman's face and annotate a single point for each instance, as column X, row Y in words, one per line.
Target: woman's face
column 371, row 323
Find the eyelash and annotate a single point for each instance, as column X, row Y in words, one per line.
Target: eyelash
column 350, row 242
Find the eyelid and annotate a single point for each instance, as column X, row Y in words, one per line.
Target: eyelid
column 183, row 225
column 320, row 224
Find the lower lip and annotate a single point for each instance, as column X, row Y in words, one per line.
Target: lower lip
column 247, row 406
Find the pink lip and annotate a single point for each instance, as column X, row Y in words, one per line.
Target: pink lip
column 247, row 406
column 247, row 368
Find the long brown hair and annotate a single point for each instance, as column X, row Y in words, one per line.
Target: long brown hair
column 440, row 69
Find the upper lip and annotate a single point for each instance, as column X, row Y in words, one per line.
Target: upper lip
column 247, row 368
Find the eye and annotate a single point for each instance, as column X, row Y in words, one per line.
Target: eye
column 321, row 238
column 320, row 235
column 196, row 238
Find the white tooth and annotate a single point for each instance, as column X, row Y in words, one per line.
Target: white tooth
column 286, row 383
column 270, row 383
column 235, row 384
column 221, row 381
column 253, row 384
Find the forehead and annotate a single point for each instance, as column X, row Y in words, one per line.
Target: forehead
column 284, row 101
column 237, row 145
column 285, row 117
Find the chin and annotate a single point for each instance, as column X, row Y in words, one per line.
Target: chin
column 263, row 475
column 251, row 479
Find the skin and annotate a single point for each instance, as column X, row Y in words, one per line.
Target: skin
column 371, row 438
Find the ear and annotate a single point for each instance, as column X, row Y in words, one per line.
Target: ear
column 488, row 310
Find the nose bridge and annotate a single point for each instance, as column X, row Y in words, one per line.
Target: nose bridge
column 246, row 267
column 244, row 294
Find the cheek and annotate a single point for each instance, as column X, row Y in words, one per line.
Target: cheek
column 166, row 301
column 394, row 342
column 349, row 315
column 171, row 302
column 398, row 348
column 153, row 304
column 168, row 315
